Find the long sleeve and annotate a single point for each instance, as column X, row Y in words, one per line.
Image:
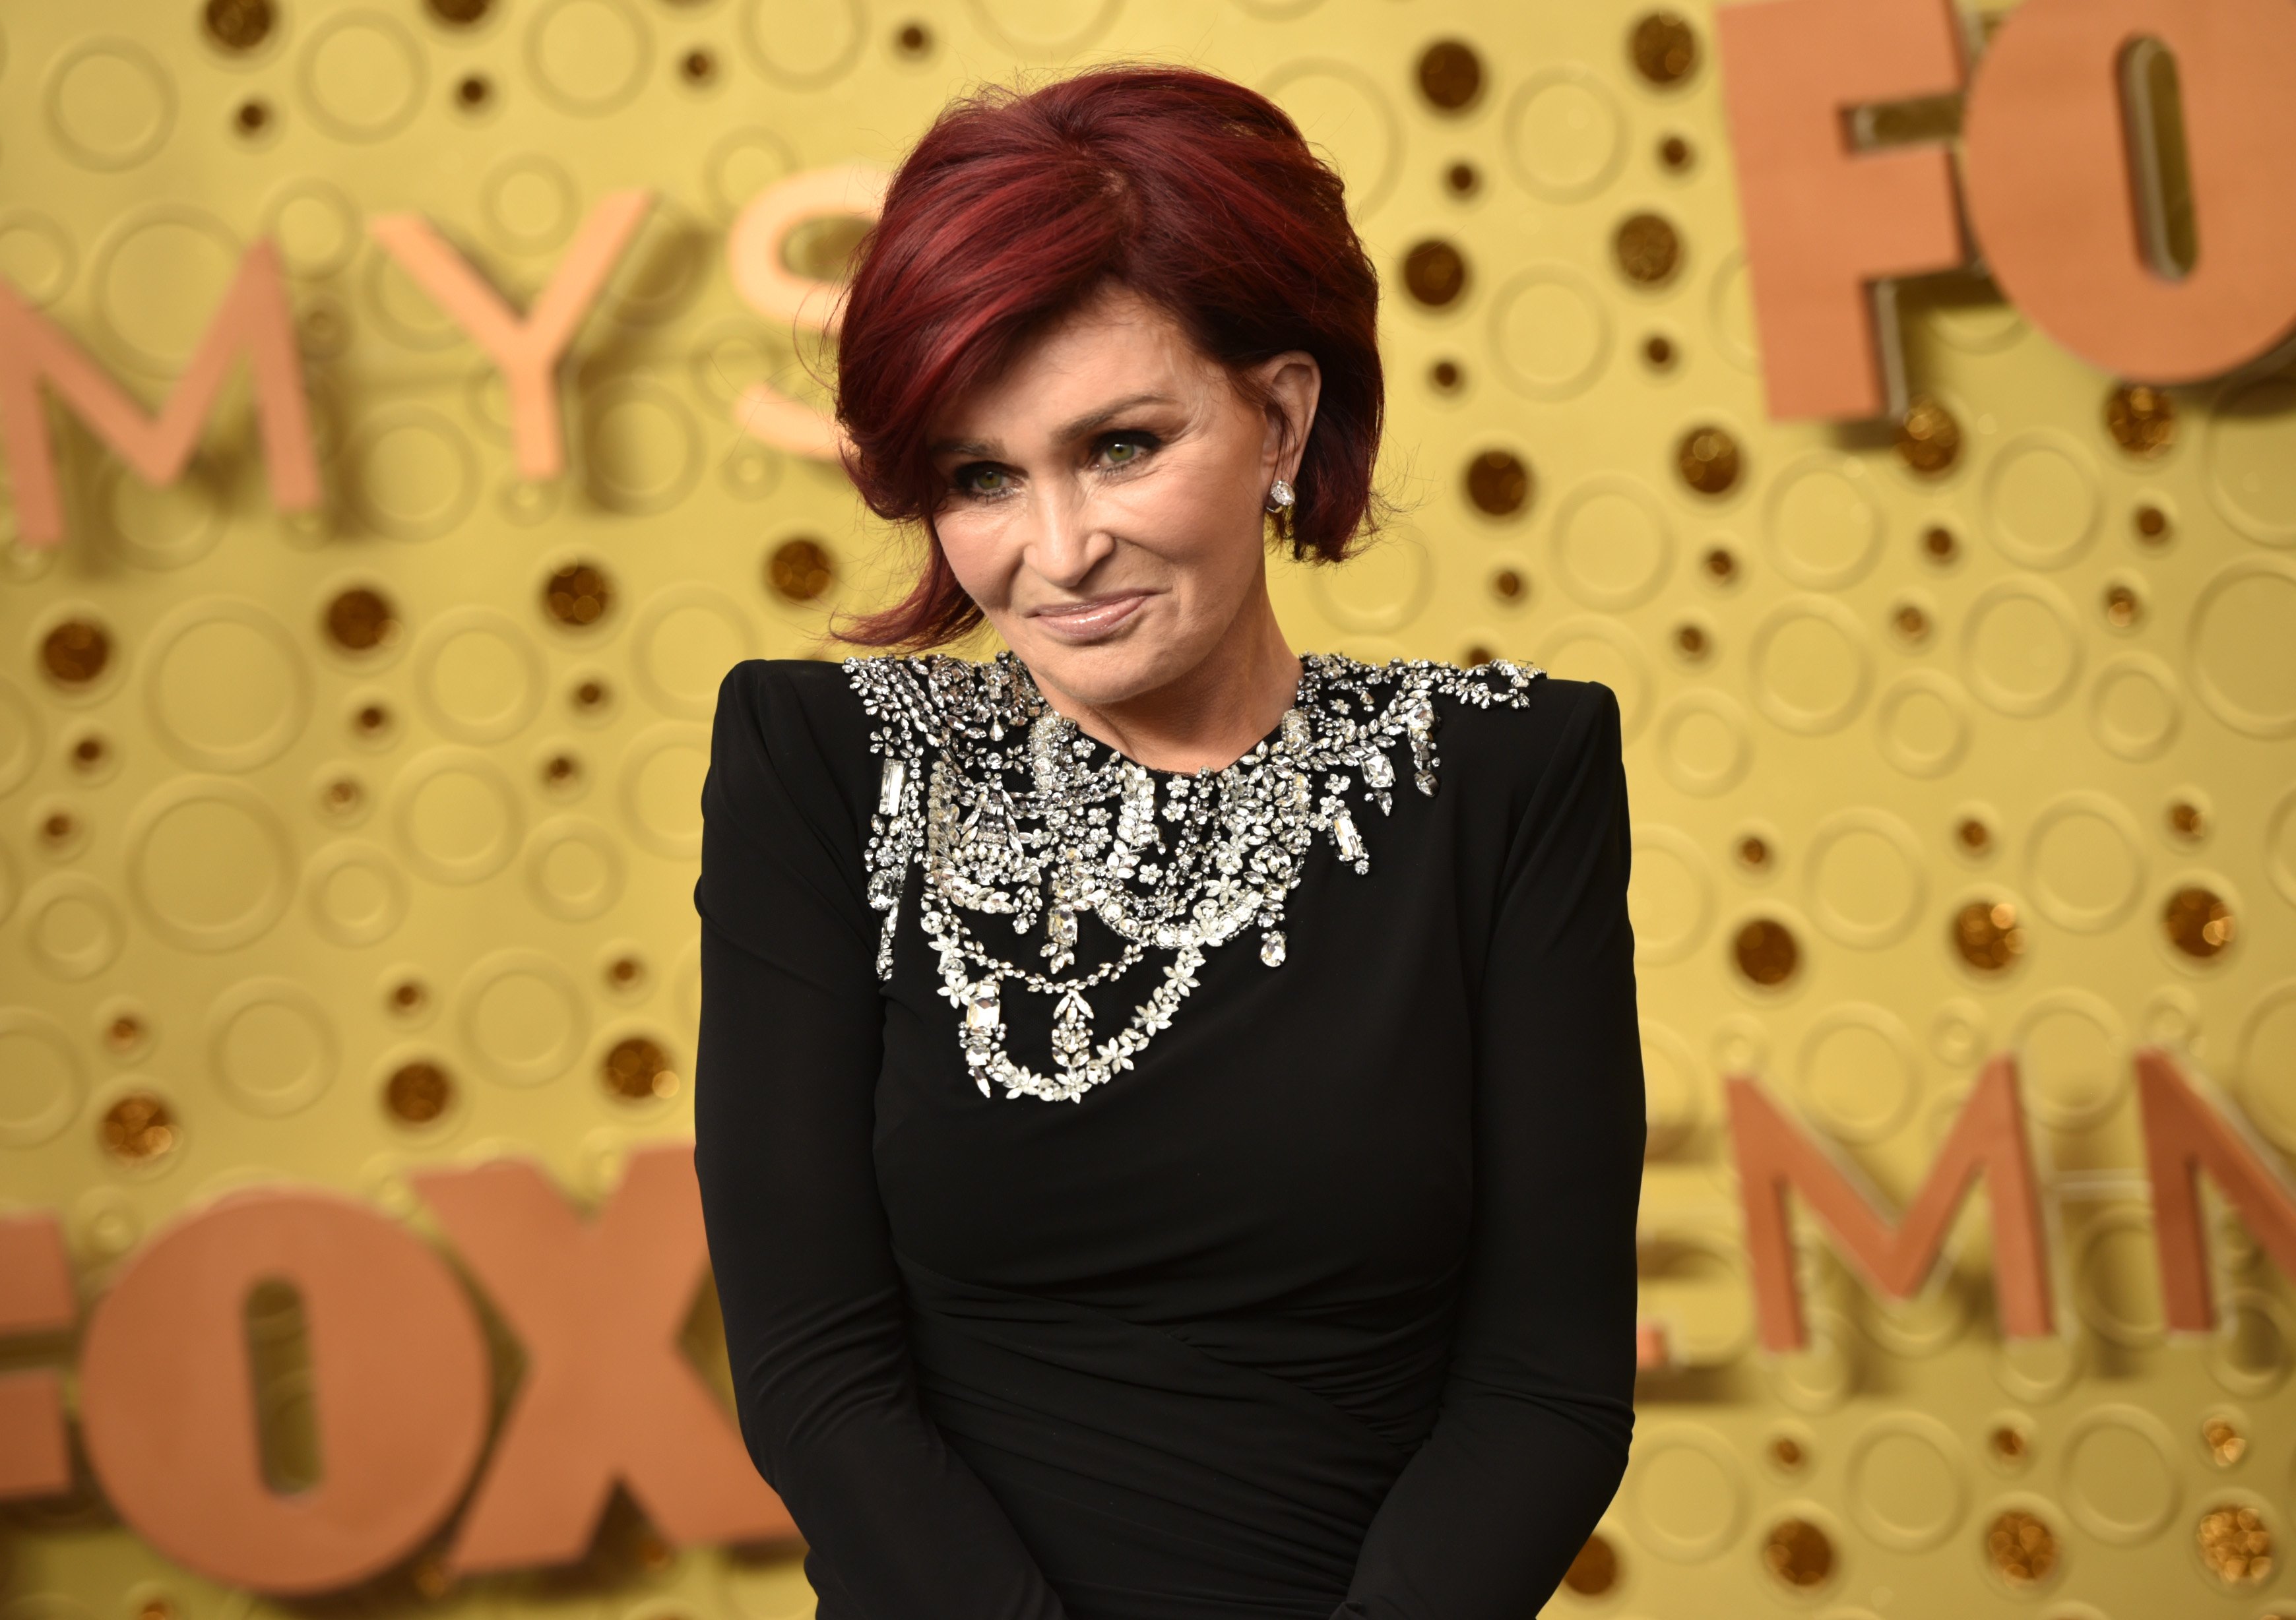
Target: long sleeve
column 784, row 1106
column 1537, row 1410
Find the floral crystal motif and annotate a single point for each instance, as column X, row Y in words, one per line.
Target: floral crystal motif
column 1012, row 811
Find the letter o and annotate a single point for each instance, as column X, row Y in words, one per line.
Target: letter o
column 2046, row 173
column 402, row 1392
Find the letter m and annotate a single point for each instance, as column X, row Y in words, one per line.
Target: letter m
column 2183, row 1137
column 1987, row 1139
column 254, row 317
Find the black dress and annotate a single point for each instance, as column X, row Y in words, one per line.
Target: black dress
column 1325, row 1308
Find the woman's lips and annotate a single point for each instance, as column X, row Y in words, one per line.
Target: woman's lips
column 1086, row 621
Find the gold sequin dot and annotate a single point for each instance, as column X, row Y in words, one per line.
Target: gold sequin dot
column 57, row 827
column 157, row 1606
column 2122, row 608
column 1450, row 74
column 1938, row 544
column 912, row 39
column 698, row 67
column 1786, row 1453
column 408, row 996
column 474, row 91
column 253, row 117
column 1929, row 440
column 371, row 719
column 89, row 752
column 1765, row 952
column 238, row 25
column 1445, row 377
column 1658, row 352
column 74, row 652
column 460, row 14
column 1477, row 656
column 1463, row 179
column 2141, row 419
column 591, row 695
column 1707, row 458
column 2187, row 820
column 1435, row 272
column 1910, row 622
column 561, row 771
column 1507, row 586
column 637, row 1069
column 1498, row 482
column 2235, row 1545
column 1721, row 566
column 2151, row 524
column 1754, row 852
column 2006, row 1443
column 1596, row 1570
column 125, row 1032
column 342, row 795
column 2226, row 1445
column 577, row 594
column 2199, row 922
column 1987, row 935
column 418, row 1092
column 1798, row 1554
column 626, row 972
column 1690, row 641
column 1973, row 834
column 138, row 1129
column 2021, row 1548
column 1664, row 49
column 1648, row 249
column 800, row 570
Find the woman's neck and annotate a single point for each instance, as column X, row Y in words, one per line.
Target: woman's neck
column 1210, row 717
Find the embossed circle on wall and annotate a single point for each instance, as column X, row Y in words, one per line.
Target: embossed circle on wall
column 2250, row 478
column 1550, row 332
column 1824, row 526
column 1904, row 1481
column 1614, row 547
column 109, row 103
column 208, row 864
column 356, row 892
column 522, row 1016
column 2084, row 861
column 479, row 674
column 1865, row 873
column 362, row 76
column 1047, row 28
column 19, row 736
column 2116, row 1286
column 1810, row 664
column 456, row 815
column 1686, row 1494
column 2265, row 1072
column 803, row 42
column 2242, row 658
column 588, row 56
column 2134, row 709
column 2254, row 1358
column 41, row 1078
column 161, row 525
column 35, row 256
column 1671, row 899
column 272, row 1045
column 1730, row 312
column 661, row 788
column 71, row 926
column 1596, row 647
column 2042, row 499
column 157, row 280
column 529, row 202
column 2073, row 1057
column 685, row 638
column 2117, row 1463
column 642, row 451
column 315, row 225
column 1343, row 113
column 2020, row 648
column 1856, row 1071
column 1673, row 1078
column 2279, row 835
column 413, row 474
column 1922, row 723
column 574, row 868
column 1703, row 744
column 226, row 689
column 1565, row 134
column 1384, row 588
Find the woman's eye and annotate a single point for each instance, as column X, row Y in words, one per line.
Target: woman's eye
column 1126, row 451
column 982, row 481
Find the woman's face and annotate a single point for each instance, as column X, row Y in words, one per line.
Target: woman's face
column 1104, row 498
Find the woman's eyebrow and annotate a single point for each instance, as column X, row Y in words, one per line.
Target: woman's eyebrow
column 1077, row 429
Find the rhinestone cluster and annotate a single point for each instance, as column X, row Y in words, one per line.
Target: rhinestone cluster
column 1012, row 811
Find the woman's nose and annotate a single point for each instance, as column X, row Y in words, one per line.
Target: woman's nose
column 1067, row 541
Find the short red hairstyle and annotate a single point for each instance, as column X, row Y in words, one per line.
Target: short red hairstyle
column 1195, row 193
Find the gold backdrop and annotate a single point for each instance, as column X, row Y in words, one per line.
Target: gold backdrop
column 337, row 843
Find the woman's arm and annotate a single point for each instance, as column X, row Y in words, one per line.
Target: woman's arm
column 1538, row 1406
column 784, row 1104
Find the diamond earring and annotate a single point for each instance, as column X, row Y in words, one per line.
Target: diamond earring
column 1280, row 495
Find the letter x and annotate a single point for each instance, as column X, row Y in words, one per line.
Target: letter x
column 607, row 1394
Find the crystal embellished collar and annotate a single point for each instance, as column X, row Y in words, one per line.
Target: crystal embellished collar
column 1010, row 811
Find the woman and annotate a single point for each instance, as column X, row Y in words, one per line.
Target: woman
column 1169, row 1112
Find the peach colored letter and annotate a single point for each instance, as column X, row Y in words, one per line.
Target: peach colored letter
column 2046, row 162
column 598, row 1306
column 254, row 317
column 2183, row 1136
column 1989, row 1138
column 35, row 1296
column 167, row 1392
column 1823, row 222
column 753, row 256
column 527, row 351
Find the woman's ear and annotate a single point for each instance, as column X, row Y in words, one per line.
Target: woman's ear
column 1292, row 382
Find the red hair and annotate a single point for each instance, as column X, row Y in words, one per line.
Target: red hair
column 1195, row 193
